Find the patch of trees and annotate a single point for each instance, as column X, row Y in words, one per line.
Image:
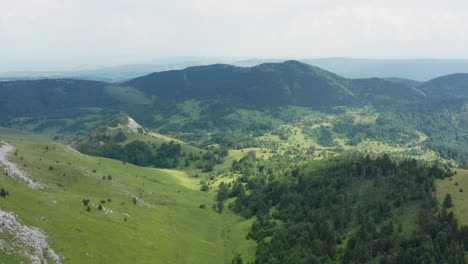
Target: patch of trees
column 445, row 125
column 345, row 210
column 165, row 155
column 137, row 152
column 386, row 129
column 323, row 136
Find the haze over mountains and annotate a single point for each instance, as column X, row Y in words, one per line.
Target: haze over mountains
column 413, row 69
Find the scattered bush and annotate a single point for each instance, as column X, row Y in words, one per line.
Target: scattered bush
column 85, row 202
column 4, row 193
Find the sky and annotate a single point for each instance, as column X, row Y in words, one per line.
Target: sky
column 65, row 33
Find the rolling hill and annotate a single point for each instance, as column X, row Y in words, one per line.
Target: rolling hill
column 270, row 84
column 266, row 85
column 453, row 85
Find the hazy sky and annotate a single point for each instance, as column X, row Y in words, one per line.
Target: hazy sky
column 74, row 32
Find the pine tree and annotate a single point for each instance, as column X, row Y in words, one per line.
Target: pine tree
column 448, row 201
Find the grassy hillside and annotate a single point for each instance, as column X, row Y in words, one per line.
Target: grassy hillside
column 166, row 223
column 457, row 187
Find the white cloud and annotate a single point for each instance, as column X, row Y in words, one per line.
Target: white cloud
column 120, row 31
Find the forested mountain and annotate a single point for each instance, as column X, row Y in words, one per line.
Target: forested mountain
column 454, row 85
column 288, row 83
column 240, row 106
column 266, row 85
column 39, row 96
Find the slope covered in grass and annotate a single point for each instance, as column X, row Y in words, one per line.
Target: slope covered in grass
column 165, row 224
column 457, row 187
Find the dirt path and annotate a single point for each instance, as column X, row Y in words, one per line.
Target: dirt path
column 30, row 240
column 12, row 169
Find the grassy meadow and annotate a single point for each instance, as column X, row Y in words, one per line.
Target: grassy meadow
column 165, row 225
column 453, row 186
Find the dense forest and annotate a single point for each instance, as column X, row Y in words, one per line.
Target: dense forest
column 347, row 210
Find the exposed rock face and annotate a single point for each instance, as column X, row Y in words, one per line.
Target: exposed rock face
column 31, row 240
column 12, row 168
column 134, row 127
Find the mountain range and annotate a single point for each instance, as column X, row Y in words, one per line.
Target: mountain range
column 265, row 85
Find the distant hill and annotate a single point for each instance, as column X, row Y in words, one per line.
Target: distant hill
column 269, row 84
column 408, row 82
column 454, row 85
column 413, row 69
column 266, row 85
column 379, row 91
column 36, row 96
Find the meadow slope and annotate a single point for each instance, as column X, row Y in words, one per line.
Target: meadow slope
column 148, row 215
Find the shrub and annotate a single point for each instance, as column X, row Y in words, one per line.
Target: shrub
column 202, row 206
column 85, row 202
column 3, row 193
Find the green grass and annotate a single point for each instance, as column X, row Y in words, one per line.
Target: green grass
column 460, row 199
column 169, row 228
column 16, row 134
